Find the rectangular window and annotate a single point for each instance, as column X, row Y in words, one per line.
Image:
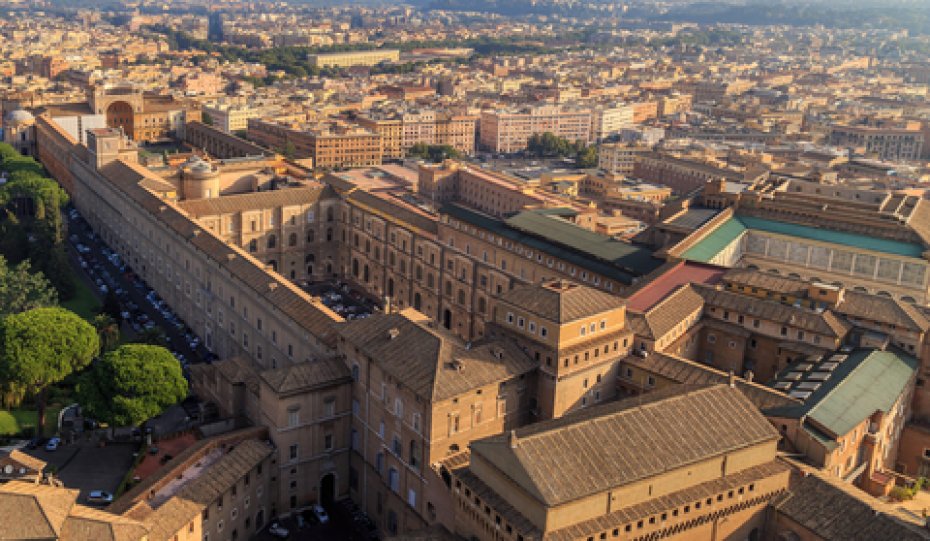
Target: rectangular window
column 293, row 452
column 293, row 418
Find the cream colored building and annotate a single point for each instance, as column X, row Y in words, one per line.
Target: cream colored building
column 355, row 58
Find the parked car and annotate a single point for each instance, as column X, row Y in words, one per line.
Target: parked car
column 36, row 442
column 278, row 531
column 53, row 444
column 100, row 497
column 320, row 513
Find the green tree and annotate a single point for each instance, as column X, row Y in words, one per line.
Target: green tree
column 21, row 289
column 107, row 331
column 131, row 384
column 206, row 119
column 587, row 158
column 41, row 347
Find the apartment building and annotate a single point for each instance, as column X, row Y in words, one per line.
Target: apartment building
column 401, row 131
column 331, row 145
column 609, row 121
column 619, row 159
column 891, row 143
column 230, row 118
column 608, row 473
column 509, row 131
column 353, row 58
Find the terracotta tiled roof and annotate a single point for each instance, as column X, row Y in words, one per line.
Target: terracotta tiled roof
column 831, row 511
column 825, row 323
column 86, row 524
column 883, row 309
column 623, row 442
column 302, row 376
column 667, row 314
column 229, row 204
column 433, row 363
column 33, row 511
column 561, row 301
column 688, row 372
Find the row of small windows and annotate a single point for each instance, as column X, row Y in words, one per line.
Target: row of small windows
column 522, row 323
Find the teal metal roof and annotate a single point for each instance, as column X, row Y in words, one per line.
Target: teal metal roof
column 869, row 380
column 543, row 231
column 874, row 385
column 717, row 240
column 908, row 249
column 711, row 245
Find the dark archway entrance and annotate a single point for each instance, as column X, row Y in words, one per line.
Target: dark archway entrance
column 447, row 318
column 121, row 115
column 328, row 490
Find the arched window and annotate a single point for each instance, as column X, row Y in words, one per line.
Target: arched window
column 292, row 239
column 390, row 287
column 482, row 305
column 272, row 241
column 417, row 302
column 355, row 268
column 311, row 235
column 329, row 214
column 355, row 372
column 419, row 272
column 366, row 274
column 329, row 234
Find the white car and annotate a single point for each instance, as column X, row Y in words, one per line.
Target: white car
column 320, row 513
column 53, row 444
column 278, row 531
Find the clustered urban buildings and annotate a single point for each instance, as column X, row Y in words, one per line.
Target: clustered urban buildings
column 722, row 331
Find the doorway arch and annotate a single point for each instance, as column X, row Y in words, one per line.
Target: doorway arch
column 328, row 490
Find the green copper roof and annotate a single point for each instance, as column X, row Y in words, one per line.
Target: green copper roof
column 717, row 240
column 711, row 245
column 868, row 380
column 873, row 385
column 543, row 230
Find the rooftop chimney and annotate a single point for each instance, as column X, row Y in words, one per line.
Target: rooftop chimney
column 732, row 379
column 513, row 439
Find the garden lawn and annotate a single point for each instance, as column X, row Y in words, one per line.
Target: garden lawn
column 84, row 303
column 12, row 422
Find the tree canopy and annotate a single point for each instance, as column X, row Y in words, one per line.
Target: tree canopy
column 41, row 347
column 433, row 153
column 550, row 145
column 21, row 289
column 131, row 384
column 30, row 220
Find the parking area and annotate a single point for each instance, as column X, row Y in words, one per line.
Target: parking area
column 346, row 523
column 87, row 466
column 343, row 300
column 141, row 309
